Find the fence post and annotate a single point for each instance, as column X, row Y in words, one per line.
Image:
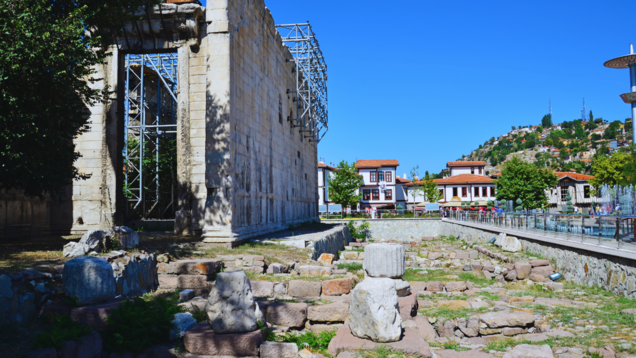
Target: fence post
column 582, row 228
column 618, row 232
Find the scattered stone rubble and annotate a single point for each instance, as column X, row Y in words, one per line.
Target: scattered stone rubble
column 96, row 241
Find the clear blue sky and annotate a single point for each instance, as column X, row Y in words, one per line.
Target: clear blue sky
column 427, row 81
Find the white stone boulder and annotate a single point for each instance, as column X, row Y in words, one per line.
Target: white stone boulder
column 384, row 260
column 182, row 322
column 374, row 311
column 74, row 249
column 88, row 279
column 231, row 307
column 500, row 239
column 511, row 244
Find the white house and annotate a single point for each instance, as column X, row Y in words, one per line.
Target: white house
column 379, row 182
column 466, row 181
column 576, row 185
column 324, row 172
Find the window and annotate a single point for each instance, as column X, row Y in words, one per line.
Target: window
column 476, row 192
column 492, row 191
column 564, row 192
column 472, row 170
column 388, row 176
column 586, row 191
column 454, row 191
column 441, row 193
column 481, row 171
column 372, row 174
column 464, row 191
column 388, row 194
column 366, row 194
column 375, row 194
column 484, row 192
column 380, row 176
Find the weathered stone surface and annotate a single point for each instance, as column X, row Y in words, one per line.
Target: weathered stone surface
column 184, row 282
column 231, row 307
column 182, row 322
column 374, row 312
column 94, row 316
column 408, row 307
column 507, row 319
column 544, row 271
column 326, row 259
column 536, row 278
column 424, row 327
column 280, row 289
column 275, row 268
column 446, row 327
column 470, row 326
column 317, row 328
column 530, row 351
column 279, row 350
column 455, row 286
column 435, row 255
column 208, row 267
column 500, row 239
column 135, row 274
column 435, row 286
column 511, row 244
column 473, row 353
column 287, row 314
column 412, row 344
column 536, row 263
column 523, row 270
column 314, row 271
column 511, row 275
column 264, row 289
column 299, row 288
column 89, row 346
column 127, row 237
column 89, row 279
column 402, row 287
column 202, row 340
column 332, row 312
column 512, row 331
column 384, row 260
column 337, row 287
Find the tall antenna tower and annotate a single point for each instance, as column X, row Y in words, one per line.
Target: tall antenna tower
column 583, row 114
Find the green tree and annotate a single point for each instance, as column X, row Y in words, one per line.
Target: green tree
column 568, row 201
column 546, row 121
column 519, row 203
column 344, row 184
column 417, row 187
column 431, row 190
column 579, row 131
column 48, row 52
column 612, row 130
column 609, row 170
column 522, row 180
column 591, row 116
column 539, row 129
column 590, row 125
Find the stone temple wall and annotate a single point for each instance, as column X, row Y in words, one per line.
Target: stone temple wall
column 242, row 170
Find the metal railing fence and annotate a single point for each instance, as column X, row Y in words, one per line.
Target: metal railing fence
column 610, row 230
column 380, row 214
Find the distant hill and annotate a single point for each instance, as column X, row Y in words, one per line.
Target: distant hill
column 563, row 147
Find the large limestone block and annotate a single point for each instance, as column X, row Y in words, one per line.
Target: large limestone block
column 74, row 249
column 523, row 270
column 127, row 237
column 90, row 279
column 374, row 312
column 500, row 239
column 201, row 340
column 314, row 271
column 300, row 288
column 337, row 287
column 530, row 351
column 332, row 312
column 384, row 260
column 231, row 307
column 507, row 319
column 279, row 350
column 511, row 244
column 287, row 314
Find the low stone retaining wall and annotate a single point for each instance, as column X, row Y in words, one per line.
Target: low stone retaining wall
column 396, row 229
column 321, row 242
column 576, row 264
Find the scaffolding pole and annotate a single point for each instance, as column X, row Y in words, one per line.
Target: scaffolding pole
column 311, row 80
column 150, row 106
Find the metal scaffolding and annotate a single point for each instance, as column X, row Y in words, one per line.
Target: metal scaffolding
column 150, row 135
column 311, row 80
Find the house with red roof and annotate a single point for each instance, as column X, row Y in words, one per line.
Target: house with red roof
column 575, row 184
column 379, row 182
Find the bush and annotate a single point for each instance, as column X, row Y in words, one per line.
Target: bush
column 359, row 232
column 63, row 329
column 141, row 323
column 315, row 342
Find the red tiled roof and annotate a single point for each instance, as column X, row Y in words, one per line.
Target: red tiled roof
column 402, row 180
column 464, row 164
column 323, row 165
column 575, row 176
column 377, row 163
column 462, row 179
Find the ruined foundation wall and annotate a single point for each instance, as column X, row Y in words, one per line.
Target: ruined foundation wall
column 259, row 169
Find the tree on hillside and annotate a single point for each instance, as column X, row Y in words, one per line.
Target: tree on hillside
column 513, row 128
column 48, row 51
column 612, row 130
column 539, row 129
column 343, row 185
column 546, row 121
column 590, row 126
column 523, row 180
column 591, row 116
column 579, row 131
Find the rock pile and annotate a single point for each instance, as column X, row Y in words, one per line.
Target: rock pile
column 117, row 237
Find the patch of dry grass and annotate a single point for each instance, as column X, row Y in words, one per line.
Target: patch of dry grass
column 17, row 261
